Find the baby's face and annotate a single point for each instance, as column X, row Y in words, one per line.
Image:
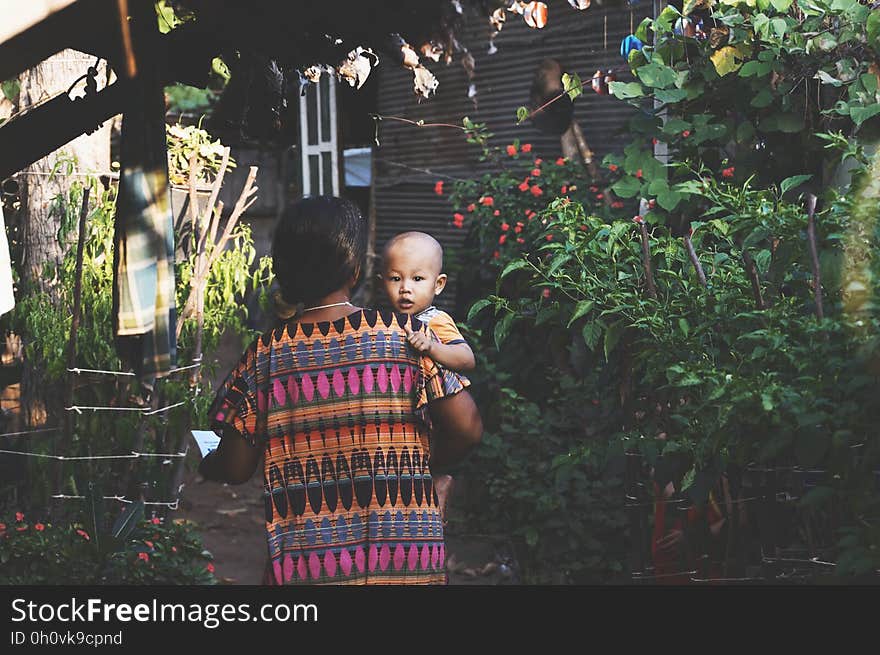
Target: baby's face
column 411, row 277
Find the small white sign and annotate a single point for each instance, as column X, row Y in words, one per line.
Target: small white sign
column 207, row 440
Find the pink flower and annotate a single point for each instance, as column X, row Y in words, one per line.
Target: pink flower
column 471, row 207
column 83, row 534
column 560, row 161
column 438, row 188
column 502, row 239
column 497, row 212
column 536, row 190
column 496, row 255
column 654, row 141
column 19, row 516
column 546, row 293
column 536, row 172
column 612, row 167
column 39, row 527
column 520, row 240
column 210, row 567
column 549, row 237
column 21, row 528
column 638, row 219
column 524, row 186
column 144, row 557
column 526, row 147
column 617, row 204
column 149, row 544
column 583, row 228
column 155, row 520
column 728, row 172
column 518, row 228
column 488, row 201
column 458, row 220
column 686, row 134
column 639, row 173
column 174, row 549
column 599, row 196
column 538, row 161
column 511, row 150
column 564, row 189
column 505, row 227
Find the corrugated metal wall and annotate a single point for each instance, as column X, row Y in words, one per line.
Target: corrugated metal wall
column 405, row 199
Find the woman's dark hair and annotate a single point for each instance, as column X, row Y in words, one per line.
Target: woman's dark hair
column 319, row 244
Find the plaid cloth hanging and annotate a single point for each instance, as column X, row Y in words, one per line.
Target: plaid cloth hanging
column 145, row 313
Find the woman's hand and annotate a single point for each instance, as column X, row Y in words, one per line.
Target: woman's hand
column 234, row 461
column 456, row 429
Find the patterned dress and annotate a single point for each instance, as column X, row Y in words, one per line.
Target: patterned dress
column 342, row 409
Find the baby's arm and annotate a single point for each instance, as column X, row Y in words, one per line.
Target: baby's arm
column 457, row 357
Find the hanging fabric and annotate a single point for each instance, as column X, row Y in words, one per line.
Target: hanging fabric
column 143, row 291
column 7, row 300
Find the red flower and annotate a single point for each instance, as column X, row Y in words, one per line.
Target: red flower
column 496, row 255
column 638, row 219
column 497, row 212
column 560, row 161
column 526, row 147
column 536, row 172
column 19, row 516
column 599, row 196
column 2, row 527
column 538, row 161
column 524, row 186
column 502, row 239
column 549, row 237
column 530, row 214
column 210, row 567
column 536, row 190
column 728, row 172
column 594, row 188
column 174, row 549
column 155, row 520
column 458, row 220
column 639, row 173
column 438, row 188
column 583, row 228
column 149, row 543
column 546, row 293
column 144, row 557
column 564, row 189
column 471, row 207
column 39, row 527
column 511, row 150
column 22, row 528
column 505, row 227
column 654, row 141
column 652, row 203
column 488, row 201
column 83, row 534
column 617, row 204
column 612, row 168
column 518, row 228
column 520, row 240
column 686, row 134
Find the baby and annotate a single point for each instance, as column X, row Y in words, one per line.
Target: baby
column 412, row 275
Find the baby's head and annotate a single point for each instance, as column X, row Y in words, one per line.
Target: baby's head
column 411, row 271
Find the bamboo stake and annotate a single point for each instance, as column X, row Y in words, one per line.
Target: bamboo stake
column 646, row 252
column 814, row 254
column 69, row 419
column 692, row 254
column 752, row 271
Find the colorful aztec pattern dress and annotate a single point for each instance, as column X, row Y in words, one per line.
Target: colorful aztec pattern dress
column 342, row 409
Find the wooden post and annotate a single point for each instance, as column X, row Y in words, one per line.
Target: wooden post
column 695, row 261
column 752, row 271
column 69, row 419
column 814, row 254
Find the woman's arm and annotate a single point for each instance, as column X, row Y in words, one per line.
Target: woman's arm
column 457, row 428
column 234, row 461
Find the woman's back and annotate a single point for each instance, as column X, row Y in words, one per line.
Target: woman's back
column 348, row 494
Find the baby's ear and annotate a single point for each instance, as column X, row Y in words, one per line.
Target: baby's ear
column 440, row 284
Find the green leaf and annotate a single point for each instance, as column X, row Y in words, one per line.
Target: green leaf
column 779, row 26
column 557, row 263
column 502, row 329
column 627, row 187
column 669, row 200
column 11, row 88
column 781, row 5
column 591, row 333
column 684, row 327
column 572, row 84
column 477, row 307
column 788, row 123
column 755, row 68
column 860, row 114
column 612, row 336
column 745, row 132
column 582, row 308
column 515, row 265
column 872, row 30
column 656, row 75
column 670, row 96
column 127, row 521
column 666, row 19
column 792, row 182
column 843, row 5
column 626, row 90
column 642, row 30
column 764, row 98
column 522, row 113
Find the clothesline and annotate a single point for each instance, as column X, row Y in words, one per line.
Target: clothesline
column 144, row 411
column 25, row 432
column 197, row 362
column 170, row 505
column 79, row 458
column 780, row 496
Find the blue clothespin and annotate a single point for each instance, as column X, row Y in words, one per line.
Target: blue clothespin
column 629, row 44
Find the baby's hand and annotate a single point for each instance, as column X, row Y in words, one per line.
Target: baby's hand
column 419, row 340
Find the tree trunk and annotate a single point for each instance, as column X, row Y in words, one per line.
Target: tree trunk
column 41, row 250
